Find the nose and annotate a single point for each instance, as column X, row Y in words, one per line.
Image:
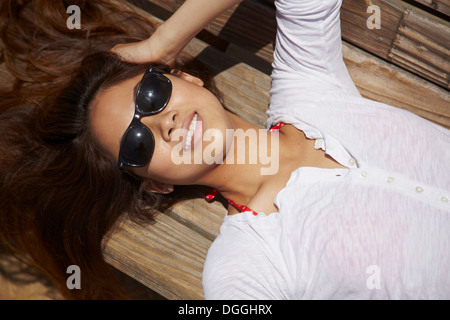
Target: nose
column 162, row 123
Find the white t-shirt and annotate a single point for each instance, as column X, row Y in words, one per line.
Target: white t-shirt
column 379, row 229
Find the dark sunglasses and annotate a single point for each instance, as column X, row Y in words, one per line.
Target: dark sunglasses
column 138, row 142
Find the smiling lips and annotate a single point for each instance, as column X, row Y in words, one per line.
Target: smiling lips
column 191, row 132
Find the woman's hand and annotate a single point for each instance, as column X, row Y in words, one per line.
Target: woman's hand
column 150, row 50
column 174, row 34
column 136, row 52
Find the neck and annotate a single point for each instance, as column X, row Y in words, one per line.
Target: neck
column 251, row 160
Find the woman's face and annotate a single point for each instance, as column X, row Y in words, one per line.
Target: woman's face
column 113, row 110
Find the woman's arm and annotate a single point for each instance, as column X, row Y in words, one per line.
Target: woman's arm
column 309, row 47
column 175, row 33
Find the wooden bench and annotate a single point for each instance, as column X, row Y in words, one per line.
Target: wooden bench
column 404, row 64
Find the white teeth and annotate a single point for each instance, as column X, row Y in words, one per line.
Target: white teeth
column 190, row 133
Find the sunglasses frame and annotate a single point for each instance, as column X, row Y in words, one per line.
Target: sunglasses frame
column 138, row 115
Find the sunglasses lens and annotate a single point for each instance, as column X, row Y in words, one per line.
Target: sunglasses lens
column 137, row 146
column 154, row 94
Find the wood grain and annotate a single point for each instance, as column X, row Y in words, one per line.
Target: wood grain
column 408, row 37
column 422, row 45
column 381, row 81
column 442, row 6
column 354, row 25
column 166, row 256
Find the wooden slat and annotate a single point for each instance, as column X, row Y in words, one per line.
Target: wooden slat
column 408, row 37
column 354, row 25
column 442, row 6
column 256, row 18
column 199, row 215
column 381, row 81
column 258, row 21
column 167, row 256
column 423, row 46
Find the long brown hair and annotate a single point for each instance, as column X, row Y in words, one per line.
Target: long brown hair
column 60, row 193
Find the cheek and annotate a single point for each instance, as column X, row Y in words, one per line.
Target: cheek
column 168, row 167
column 164, row 169
column 161, row 160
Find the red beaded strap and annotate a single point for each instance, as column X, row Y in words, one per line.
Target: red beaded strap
column 212, row 193
column 277, row 127
column 242, row 208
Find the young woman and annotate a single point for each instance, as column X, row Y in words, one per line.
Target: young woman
column 353, row 211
